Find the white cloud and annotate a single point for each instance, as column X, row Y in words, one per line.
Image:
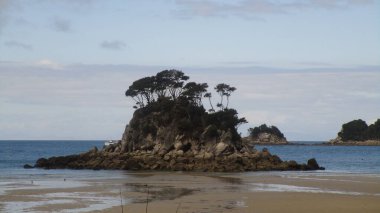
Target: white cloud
column 80, row 99
column 46, row 63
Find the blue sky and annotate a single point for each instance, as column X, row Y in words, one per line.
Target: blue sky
column 304, row 66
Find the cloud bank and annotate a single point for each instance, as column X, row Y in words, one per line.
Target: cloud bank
column 88, row 102
column 251, row 8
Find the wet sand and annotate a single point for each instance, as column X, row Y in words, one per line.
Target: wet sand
column 205, row 192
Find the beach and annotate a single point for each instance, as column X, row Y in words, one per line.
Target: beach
column 198, row 192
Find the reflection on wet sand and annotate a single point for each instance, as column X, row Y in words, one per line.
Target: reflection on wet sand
column 200, row 192
column 157, row 193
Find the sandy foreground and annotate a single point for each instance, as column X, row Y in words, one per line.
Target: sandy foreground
column 198, row 192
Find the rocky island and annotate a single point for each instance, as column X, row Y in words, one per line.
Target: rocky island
column 265, row 135
column 358, row 133
column 171, row 130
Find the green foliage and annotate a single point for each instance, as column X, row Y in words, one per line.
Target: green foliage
column 254, row 132
column 170, row 84
column 167, row 83
column 358, row 130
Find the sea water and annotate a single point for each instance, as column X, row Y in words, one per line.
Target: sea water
column 341, row 159
column 351, row 159
column 346, row 160
column 15, row 154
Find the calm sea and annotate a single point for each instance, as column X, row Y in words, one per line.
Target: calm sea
column 347, row 159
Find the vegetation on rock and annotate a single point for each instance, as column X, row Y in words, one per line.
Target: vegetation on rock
column 264, row 134
column 358, row 130
column 171, row 130
column 254, row 132
column 168, row 107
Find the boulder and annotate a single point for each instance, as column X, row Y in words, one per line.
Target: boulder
column 313, row 165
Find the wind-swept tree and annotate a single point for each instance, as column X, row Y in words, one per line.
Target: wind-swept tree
column 224, row 90
column 170, row 81
column 142, row 91
column 208, row 95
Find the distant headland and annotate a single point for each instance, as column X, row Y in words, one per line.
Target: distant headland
column 172, row 130
column 265, row 135
column 358, row 132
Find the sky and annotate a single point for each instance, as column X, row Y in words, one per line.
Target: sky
column 306, row 66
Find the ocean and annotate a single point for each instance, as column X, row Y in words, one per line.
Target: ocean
column 347, row 159
column 68, row 185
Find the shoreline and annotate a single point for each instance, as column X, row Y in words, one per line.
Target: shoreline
column 321, row 144
column 205, row 192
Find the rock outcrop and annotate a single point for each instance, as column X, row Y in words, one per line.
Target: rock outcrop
column 167, row 148
column 339, row 142
column 358, row 133
column 220, row 158
column 265, row 135
column 266, row 139
column 175, row 132
column 148, row 145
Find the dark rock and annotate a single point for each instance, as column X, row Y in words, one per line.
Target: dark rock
column 28, row 166
column 224, row 162
column 313, row 165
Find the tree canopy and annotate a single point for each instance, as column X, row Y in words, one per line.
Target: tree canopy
column 171, row 84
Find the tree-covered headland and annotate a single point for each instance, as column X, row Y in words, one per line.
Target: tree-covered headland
column 172, row 130
column 254, row 132
column 169, row 99
column 359, row 130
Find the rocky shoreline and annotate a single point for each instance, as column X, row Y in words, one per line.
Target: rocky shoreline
column 339, row 142
column 175, row 160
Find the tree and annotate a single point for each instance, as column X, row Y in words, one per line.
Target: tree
column 194, row 92
column 208, row 95
column 224, row 90
column 142, row 91
column 171, row 81
column 228, row 94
